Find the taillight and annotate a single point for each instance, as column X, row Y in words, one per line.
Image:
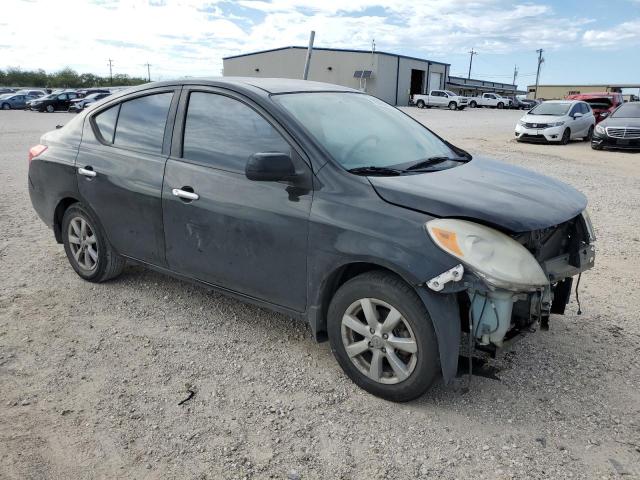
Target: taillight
column 35, row 151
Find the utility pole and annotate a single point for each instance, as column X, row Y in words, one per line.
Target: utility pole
column 307, row 62
column 148, row 65
column 472, row 53
column 110, row 72
column 540, row 60
column 515, row 74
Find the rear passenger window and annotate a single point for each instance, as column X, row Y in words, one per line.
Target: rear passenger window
column 224, row 132
column 106, row 123
column 141, row 122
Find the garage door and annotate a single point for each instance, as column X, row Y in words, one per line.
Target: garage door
column 434, row 80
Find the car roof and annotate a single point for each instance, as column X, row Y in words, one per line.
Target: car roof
column 268, row 85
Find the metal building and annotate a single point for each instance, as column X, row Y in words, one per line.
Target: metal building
column 388, row 76
column 556, row 92
column 472, row 87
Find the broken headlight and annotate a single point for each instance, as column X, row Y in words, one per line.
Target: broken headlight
column 495, row 257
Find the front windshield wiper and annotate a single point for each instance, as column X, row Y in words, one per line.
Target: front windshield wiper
column 373, row 170
column 428, row 162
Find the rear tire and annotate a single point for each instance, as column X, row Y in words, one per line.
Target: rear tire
column 473, row 104
column 6, row 106
column 566, row 137
column 50, row 109
column 420, row 104
column 399, row 361
column 87, row 248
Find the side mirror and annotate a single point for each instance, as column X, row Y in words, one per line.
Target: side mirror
column 269, row 167
column 577, row 115
column 604, row 114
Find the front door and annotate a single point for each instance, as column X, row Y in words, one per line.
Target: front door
column 120, row 168
column 246, row 236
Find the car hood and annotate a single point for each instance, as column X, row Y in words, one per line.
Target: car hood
column 487, row 191
column 621, row 122
column 543, row 118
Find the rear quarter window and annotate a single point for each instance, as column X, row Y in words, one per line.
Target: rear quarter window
column 106, row 123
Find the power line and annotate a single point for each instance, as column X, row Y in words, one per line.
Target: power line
column 110, row 72
column 148, row 65
column 472, row 53
column 540, row 60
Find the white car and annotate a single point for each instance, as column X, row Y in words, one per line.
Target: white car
column 490, row 100
column 440, row 98
column 557, row 121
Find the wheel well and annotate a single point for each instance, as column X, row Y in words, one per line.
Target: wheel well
column 335, row 281
column 58, row 214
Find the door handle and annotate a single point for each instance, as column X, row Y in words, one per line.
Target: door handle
column 87, row 172
column 185, row 194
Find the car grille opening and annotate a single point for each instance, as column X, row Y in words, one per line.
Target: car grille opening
column 623, row 132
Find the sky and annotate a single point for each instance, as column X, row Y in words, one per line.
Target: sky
column 584, row 41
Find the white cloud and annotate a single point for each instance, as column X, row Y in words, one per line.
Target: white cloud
column 190, row 37
column 626, row 34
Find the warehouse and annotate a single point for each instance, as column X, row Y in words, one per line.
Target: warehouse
column 472, row 87
column 390, row 77
column 556, row 92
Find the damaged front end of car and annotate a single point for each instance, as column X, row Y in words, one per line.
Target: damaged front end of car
column 507, row 283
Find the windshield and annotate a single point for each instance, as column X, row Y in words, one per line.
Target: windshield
column 361, row 131
column 600, row 103
column 627, row 110
column 6, row 95
column 449, row 92
column 548, row 108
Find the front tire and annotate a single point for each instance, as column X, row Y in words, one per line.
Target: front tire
column 500, row 105
column 566, row 137
column 453, row 106
column 589, row 134
column 382, row 336
column 87, row 248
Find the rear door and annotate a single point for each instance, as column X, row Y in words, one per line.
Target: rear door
column 246, row 236
column 120, row 169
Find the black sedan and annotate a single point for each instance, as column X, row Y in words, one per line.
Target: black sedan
column 321, row 202
column 53, row 102
column 620, row 130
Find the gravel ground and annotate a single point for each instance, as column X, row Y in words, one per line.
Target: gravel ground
column 91, row 375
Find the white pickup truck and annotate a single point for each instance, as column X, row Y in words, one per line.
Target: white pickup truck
column 440, row 98
column 489, row 100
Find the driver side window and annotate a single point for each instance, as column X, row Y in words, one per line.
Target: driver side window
column 222, row 132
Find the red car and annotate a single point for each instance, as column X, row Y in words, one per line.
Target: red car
column 602, row 103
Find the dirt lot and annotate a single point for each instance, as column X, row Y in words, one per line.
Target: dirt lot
column 91, row 375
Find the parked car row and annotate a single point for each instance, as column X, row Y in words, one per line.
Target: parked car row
column 454, row 101
column 63, row 99
column 560, row 121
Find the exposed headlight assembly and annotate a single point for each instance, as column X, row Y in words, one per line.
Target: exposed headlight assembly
column 600, row 129
column 495, row 257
